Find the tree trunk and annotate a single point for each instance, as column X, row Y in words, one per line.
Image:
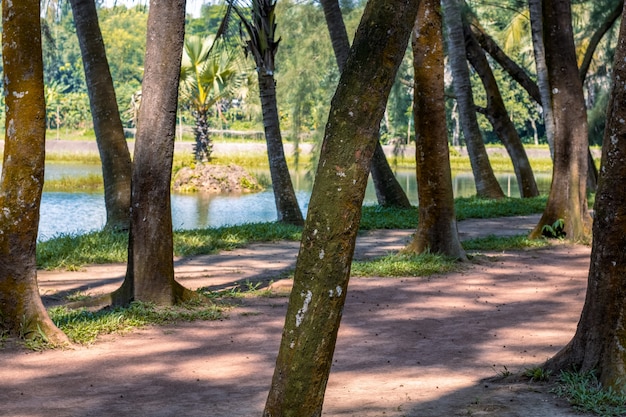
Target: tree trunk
column 499, row 117
column 150, row 270
column 536, row 25
column 600, row 337
column 116, row 165
column 327, row 248
column 567, row 200
column 486, row 184
column 21, row 311
column 284, row 195
column 437, row 229
column 389, row 192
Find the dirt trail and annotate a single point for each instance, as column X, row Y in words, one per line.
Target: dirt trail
column 407, row 346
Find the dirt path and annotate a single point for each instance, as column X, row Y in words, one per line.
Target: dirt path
column 407, row 346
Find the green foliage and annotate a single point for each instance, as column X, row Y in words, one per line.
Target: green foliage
column 538, row 374
column 379, row 217
column 586, row 394
column 88, row 183
column 83, row 326
column 554, row 230
column 400, row 265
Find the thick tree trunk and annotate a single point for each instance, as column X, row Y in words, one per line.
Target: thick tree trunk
column 499, row 117
column 599, row 341
column 284, row 195
column 21, row 311
column 116, row 165
column 437, row 228
column 389, row 192
column 150, row 270
column 567, row 200
column 327, row 248
column 486, row 184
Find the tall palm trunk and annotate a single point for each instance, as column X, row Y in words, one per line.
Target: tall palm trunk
column 116, row 164
column 389, row 192
column 284, row 194
column 486, row 184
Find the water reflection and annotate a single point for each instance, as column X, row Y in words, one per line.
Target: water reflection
column 80, row 212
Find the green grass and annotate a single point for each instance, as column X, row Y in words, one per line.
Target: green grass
column 586, row 394
column 404, row 265
column 502, row 243
column 83, row 326
column 70, row 251
column 88, row 183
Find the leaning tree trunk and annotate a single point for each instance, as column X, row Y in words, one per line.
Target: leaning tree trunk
column 150, row 270
column 116, row 165
column 598, row 344
column 499, row 118
column 21, row 311
column 284, row 195
column 486, row 184
column 327, row 248
column 567, row 200
column 389, row 192
column 437, row 228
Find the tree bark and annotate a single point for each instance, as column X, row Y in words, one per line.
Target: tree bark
column 150, row 270
column 437, row 228
column 116, row 165
column 600, row 336
column 389, row 192
column 486, row 184
column 327, row 247
column 537, row 32
column 21, row 311
column 567, row 200
column 284, row 194
column 499, row 118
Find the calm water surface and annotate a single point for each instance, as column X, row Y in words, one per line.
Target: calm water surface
column 70, row 213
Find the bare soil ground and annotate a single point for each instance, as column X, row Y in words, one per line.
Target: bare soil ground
column 428, row 347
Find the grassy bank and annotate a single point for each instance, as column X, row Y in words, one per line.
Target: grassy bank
column 74, row 251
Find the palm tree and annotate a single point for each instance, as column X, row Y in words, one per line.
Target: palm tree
column 208, row 74
column 258, row 30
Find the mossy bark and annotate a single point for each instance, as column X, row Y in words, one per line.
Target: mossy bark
column 567, row 200
column 21, row 310
column 327, row 247
column 114, row 154
column 437, row 228
column 600, row 337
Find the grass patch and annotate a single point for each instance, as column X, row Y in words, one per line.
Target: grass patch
column 586, row 394
column 378, row 217
column 87, row 183
column 502, row 243
column 72, row 251
column 83, row 326
column 404, row 265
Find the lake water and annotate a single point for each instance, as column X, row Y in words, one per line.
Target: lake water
column 70, row 213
